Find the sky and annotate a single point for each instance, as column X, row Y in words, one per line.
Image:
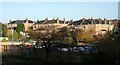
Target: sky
column 59, row 0
column 67, row 10
column 119, row 10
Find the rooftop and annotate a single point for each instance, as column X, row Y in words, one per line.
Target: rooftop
column 52, row 21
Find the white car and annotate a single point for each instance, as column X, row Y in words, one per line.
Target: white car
column 63, row 49
column 38, row 46
column 78, row 49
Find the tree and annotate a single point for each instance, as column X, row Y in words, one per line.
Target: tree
column 46, row 38
column 9, row 35
column 3, row 29
column 4, row 40
column 15, row 35
column 68, row 36
column 68, row 39
column 5, row 46
column 108, row 50
column 20, row 27
column 84, row 36
column 33, row 35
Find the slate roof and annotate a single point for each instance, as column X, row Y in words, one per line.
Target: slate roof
column 20, row 21
column 88, row 21
column 50, row 22
column 78, row 22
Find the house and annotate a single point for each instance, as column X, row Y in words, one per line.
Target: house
column 13, row 24
column 98, row 25
column 50, row 24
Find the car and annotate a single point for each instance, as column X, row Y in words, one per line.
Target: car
column 78, row 49
column 85, row 49
column 64, row 49
column 53, row 49
column 29, row 46
column 90, row 49
column 37, row 46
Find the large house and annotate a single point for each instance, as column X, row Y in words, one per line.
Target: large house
column 13, row 24
column 98, row 25
column 50, row 24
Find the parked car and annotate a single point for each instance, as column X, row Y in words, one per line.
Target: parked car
column 91, row 48
column 78, row 49
column 37, row 46
column 63, row 49
column 54, row 49
column 85, row 49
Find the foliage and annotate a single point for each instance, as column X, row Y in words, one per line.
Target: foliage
column 108, row 50
column 3, row 28
column 20, row 27
column 32, row 34
column 15, row 35
column 68, row 39
column 67, row 36
column 4, row 39
column 84, row 36
column 9, row 35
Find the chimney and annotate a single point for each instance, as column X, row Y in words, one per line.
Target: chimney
column 71, row 20
column 57, row 20
column 99, row 20
column 37, row 21
column 46, row 19
column 64, row 20
column 26, row 20
column 91, row 20
column 105, row 20
column 10, row 21
column 83, row 19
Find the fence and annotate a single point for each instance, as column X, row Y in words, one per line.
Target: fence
column 37, row 55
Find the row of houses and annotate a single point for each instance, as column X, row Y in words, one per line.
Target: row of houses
column 100, row 26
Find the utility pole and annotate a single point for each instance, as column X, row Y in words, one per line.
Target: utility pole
column 12, row 34
column 1, row 33
column 12, row 30
column 12, row 37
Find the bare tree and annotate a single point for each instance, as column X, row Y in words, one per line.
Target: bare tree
column 47, row 35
